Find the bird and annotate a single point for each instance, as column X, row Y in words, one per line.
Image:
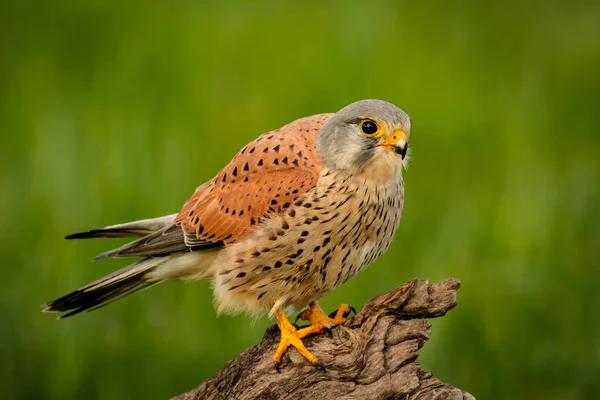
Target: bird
column 297, row 212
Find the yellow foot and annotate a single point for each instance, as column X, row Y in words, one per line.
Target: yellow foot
column 317, row 317
column 290, row 336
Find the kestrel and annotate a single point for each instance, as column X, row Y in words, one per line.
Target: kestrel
column 296, row 213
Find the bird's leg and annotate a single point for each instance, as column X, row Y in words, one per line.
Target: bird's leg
column 317, row 317
column 290, row 336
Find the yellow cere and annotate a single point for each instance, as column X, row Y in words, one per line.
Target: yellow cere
column 394, row 138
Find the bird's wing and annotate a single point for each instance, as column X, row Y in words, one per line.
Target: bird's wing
column 170, row 239
column 265, row 177
column 140, row 228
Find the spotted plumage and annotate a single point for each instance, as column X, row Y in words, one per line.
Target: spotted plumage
column 328, row 236
column 264, row 178
column 296, row 213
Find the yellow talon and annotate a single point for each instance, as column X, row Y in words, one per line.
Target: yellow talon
column 319, row 321
column 316, row 316
column 290, row 336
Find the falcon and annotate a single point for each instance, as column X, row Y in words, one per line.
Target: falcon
column 296, row 213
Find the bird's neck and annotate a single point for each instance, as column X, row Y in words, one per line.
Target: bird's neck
column 387, row 181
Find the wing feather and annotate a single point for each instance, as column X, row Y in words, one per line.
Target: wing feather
column 166, row 241
column 264, row 178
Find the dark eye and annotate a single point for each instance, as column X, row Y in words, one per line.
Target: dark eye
column 368, row 127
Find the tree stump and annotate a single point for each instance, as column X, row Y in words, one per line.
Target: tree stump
column 371, row 356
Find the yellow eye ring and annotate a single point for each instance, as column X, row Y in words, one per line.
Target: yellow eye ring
column 368, row 127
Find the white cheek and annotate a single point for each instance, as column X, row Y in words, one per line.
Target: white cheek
column 347, row 153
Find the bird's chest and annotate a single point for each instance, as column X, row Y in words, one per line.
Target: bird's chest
column 365, row 232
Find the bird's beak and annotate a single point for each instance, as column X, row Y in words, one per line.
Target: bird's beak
column 397, row 142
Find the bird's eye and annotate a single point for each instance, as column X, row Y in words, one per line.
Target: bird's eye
column 368, row 127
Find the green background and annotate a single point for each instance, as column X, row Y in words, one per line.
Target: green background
column 113, row 111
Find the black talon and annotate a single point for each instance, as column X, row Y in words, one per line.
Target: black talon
column 345, row 314
column 352, row 309
column 276, row 365
column 328, row 331
column 320, row 365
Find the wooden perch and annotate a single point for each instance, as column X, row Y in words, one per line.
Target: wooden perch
column 371, row 356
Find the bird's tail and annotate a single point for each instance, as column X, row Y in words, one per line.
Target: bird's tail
column 166, row 260
column 131, row 279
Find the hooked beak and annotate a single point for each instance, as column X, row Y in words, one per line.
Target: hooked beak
column 397, row 142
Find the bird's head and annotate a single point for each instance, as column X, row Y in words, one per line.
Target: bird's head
column 369, row 136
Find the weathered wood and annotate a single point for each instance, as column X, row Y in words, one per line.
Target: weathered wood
column 371, row 356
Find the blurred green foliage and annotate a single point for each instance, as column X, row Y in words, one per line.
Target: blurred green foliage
column 114, row 111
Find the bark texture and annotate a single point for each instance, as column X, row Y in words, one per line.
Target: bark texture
column 371, row 356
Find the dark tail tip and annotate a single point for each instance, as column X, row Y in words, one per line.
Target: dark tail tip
column 104, row 233
column 80, row 235
column 112, row 287
column 81, row 300
column 47, row 308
